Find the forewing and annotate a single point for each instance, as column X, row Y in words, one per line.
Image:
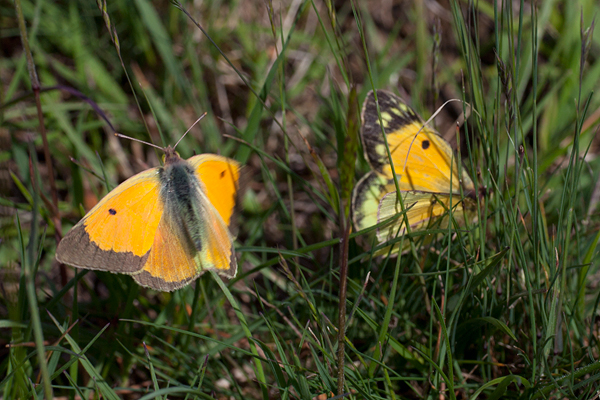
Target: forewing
column 117, row 234
column 221, row 179
column 423, row 161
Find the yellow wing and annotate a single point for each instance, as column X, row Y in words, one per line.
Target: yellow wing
column 420, row 208
column 423, row 160
column 172, row 263
column 118, row 233
column 220, row 178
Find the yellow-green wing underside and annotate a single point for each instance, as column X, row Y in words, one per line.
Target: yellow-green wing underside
column 420, row 208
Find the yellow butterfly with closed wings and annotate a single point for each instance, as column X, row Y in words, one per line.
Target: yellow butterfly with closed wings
column 429, row 178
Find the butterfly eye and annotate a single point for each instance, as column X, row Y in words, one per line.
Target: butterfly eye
column 425, row 144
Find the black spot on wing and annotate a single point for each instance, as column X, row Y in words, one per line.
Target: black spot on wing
column 223, row 174
column 112, row 211
column 425, row 144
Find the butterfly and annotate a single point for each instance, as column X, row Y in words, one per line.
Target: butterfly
column 430, row 181
column 164, row 226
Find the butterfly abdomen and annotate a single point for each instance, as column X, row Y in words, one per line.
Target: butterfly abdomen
column 180, row 193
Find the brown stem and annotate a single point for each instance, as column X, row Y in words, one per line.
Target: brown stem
column 350, row 147
column 342, row 307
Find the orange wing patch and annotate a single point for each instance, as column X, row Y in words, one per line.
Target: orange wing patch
column 422, row 161
column 117, row 234
column 127, row 220
column 220, row 177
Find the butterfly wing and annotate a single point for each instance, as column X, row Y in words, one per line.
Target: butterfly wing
column 425, row 166
column 173, row 261
column 118, row 233
column 367, row 194
column 423, row 160
column 193, row 238
column 220, row 177
column 420, row 208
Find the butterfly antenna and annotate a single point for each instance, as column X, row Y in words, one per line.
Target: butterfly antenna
column 138, row 140
column 189, row 129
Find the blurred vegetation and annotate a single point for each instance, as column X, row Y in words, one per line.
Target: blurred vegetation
column 505, row 307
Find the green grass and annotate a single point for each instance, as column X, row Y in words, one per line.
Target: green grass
column 504, row 307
